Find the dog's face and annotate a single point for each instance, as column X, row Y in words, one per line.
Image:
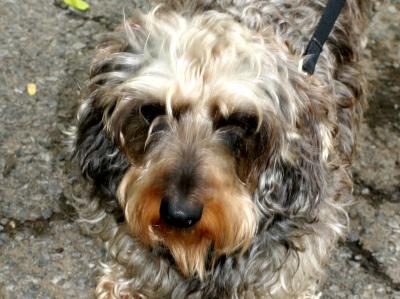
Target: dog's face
column 199, row 109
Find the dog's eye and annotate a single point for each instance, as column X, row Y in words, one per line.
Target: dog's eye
column 233, row 138
column 244, row 121
column 151, row 111
column 157, row 130
column 160, row 125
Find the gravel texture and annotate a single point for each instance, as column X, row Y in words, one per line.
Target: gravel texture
column 43, row 251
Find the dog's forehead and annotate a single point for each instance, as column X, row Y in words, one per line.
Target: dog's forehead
column 187, row 89
column 206, row 62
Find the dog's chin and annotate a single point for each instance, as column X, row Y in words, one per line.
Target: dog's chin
column 191, row 249
column 195, row 250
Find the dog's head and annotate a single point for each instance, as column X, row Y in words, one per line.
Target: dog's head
column 218, row 127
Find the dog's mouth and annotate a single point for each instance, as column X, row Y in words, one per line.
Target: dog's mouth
column 193, row 234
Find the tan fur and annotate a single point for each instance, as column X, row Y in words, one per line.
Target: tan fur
column 140, row 197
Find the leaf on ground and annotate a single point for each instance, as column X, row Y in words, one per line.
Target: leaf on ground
column 31, row 89
column 78, row 4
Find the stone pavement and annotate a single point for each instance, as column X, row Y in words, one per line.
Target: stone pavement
column 43, row 251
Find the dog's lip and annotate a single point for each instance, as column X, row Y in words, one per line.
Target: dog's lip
column 164, row 230
column 164, row 233
column 158, row 227
column 163, row 227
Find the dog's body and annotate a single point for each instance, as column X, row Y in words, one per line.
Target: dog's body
column 230, row 164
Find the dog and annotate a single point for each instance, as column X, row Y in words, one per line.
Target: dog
column 230, row 166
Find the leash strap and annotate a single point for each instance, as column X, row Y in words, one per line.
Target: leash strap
column 324, row 28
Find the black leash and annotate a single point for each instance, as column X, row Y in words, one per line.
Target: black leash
column 324, row 28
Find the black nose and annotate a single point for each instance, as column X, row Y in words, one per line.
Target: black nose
column 180, row 213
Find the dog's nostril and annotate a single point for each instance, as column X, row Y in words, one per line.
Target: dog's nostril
column 180, row 213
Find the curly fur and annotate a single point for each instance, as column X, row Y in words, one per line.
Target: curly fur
column 281, row 199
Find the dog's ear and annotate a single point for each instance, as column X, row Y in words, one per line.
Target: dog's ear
column 117, row 59
column 291, row 180
column 98, row 157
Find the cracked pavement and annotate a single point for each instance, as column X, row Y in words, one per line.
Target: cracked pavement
column 43, row 251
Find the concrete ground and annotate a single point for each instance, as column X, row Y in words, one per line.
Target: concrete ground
column 43, row 252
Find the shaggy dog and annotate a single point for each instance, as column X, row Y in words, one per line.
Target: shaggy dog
column 230, row 165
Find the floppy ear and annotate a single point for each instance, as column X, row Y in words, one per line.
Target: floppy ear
column 98, row 157
column 292, row 186
column 116, row 60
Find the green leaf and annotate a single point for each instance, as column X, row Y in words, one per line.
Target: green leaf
column 77, row 4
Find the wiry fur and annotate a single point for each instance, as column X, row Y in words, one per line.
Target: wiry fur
column 275, row 202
